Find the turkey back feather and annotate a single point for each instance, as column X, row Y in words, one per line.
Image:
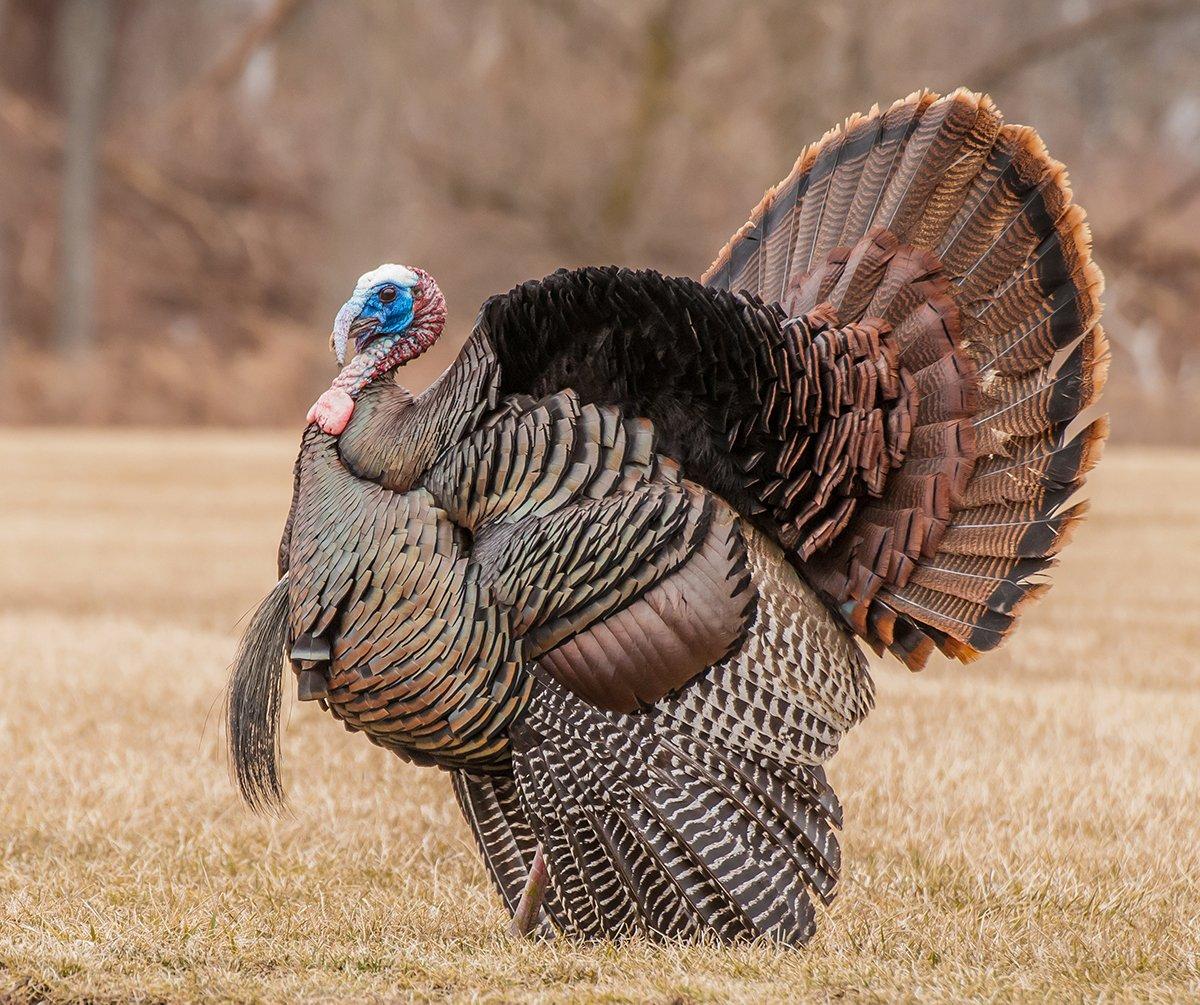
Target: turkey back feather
column 793, row 426
column 955, row 235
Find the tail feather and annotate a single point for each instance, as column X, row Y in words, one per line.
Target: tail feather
column 897, row 125
column 817, row 208
column 1036, row 467
column 844, row 171
column 1019, row 331
column 933, row 150
column 995, row 583
column 960, row 233
column 861, row 274
column 1029, row 405
column 913, row 279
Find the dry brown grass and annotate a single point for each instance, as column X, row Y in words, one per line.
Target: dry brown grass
column 1023, row 828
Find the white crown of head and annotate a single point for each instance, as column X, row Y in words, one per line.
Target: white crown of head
column 400, row 275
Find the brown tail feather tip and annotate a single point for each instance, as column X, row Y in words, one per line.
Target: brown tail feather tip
column 1092, row 442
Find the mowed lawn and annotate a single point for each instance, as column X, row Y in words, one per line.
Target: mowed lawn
column 1027, row 827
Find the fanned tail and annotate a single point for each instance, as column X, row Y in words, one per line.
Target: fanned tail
column 957, row 233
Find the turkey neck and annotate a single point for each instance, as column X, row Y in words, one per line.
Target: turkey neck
column 393, row 437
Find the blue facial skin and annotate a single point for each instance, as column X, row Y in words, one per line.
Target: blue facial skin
column 393, row 317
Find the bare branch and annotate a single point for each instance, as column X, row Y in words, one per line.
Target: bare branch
column 228, row 69
column 1102, row 24
column 661, row 60
column 208, row 228
column 1133, row 230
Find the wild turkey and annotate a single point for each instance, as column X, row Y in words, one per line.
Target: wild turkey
column 609, row 568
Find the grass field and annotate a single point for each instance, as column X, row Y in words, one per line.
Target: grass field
column 1023, row 828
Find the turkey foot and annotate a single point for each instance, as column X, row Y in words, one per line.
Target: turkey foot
column 530, row 904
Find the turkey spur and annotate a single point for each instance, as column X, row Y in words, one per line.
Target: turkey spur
column 612, row 570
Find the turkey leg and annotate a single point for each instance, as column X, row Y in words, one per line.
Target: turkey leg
column 530, row 905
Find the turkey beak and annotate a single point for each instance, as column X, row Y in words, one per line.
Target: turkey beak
column 341, row 328
column 350, row 323
column 362, row 331
column 347, row 326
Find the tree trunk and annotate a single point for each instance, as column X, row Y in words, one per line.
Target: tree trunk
column 84, row 41
column 5, row 321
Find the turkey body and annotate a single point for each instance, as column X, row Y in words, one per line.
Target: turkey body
column 546, row 603
column 609, row 569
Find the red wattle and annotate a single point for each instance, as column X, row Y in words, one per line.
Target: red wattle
column 332, row 411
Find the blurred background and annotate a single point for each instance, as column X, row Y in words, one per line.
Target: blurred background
column 191, row 188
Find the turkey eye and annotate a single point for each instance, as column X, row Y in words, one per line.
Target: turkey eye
column 387, row 294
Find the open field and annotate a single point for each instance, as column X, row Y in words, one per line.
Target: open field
column 1024, row 828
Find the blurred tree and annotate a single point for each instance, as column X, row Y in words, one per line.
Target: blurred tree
column 258, row 154
column 85, row 33
column 5, row 320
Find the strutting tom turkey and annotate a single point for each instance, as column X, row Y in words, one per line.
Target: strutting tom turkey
column 613, row 569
